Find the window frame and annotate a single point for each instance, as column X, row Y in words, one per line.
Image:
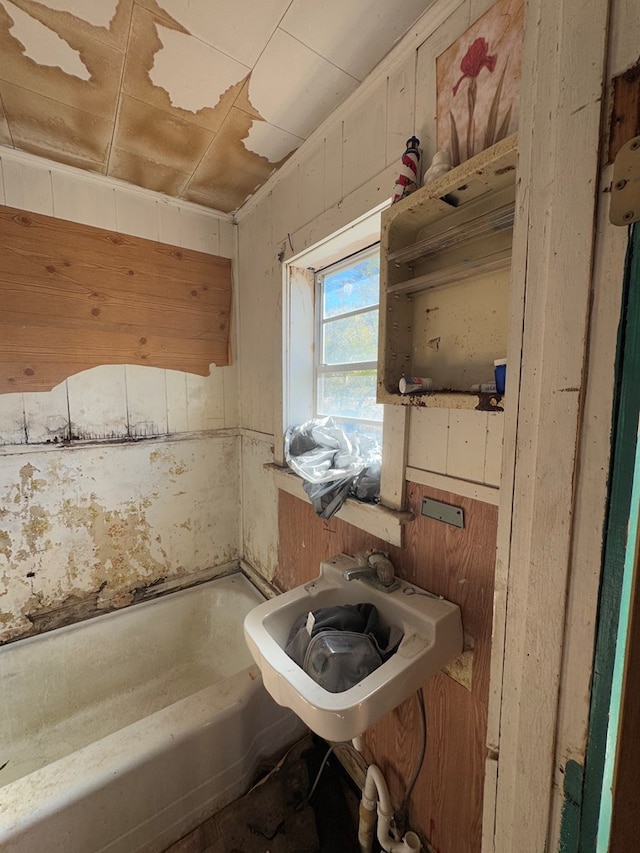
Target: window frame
column 294, row 403
column 320, row 367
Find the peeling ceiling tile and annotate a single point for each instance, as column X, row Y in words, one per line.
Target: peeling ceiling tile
column 239, row 28
column 145, row 172
column 294, row 88
column 378, row 24
column 97, row 95
column 228, row 173
column 78, row 21
column 144, row 44
column 55, row 130
column 271, row 142
column 160, row 136
column 44, row 46
column 194, row 74
column 97, row 14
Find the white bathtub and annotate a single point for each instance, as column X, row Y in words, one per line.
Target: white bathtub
column 124, row 732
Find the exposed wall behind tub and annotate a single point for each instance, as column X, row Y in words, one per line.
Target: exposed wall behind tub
column 344, row 170
column 152, row 489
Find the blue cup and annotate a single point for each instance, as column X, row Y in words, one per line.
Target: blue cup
column 500, row 373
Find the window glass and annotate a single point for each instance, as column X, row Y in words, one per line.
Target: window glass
column 352, row 288
column 351, row 339
column 347, row 349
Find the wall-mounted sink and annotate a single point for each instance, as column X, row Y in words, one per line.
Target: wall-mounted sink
column 432, row 638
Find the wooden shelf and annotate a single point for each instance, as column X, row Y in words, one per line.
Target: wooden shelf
column 444, row 282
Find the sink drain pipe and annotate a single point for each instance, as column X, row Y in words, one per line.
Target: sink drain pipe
column 376, row 790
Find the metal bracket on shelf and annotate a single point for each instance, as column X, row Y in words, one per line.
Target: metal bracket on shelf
column 625, row 191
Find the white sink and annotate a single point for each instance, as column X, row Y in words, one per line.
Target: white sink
column 432, row 631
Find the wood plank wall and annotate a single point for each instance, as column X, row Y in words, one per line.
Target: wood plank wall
column 446, row 805
column 75, row 296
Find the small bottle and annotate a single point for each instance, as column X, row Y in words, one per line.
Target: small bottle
column 410, row 384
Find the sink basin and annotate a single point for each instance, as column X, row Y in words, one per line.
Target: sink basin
column 432, row 631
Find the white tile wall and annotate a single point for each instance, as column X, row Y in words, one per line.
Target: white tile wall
column 365, row 140
column 98, row 403
column 12, row 422
column 80, row 200
column 27, row 186
column 47, row 415
column 146, row 401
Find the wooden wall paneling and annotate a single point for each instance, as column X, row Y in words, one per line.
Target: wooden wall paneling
column 312, row 178
column 591, row 494
column 493, row 451
column 199, row 231
column 394, row 456
column 285, row 203
column 146, row 401
column 365, row 130
column 401, row 91
column 98, row 403
column 625, row 114
column 46, row 415
column 85, row 201
column 446, row 805
column 12, row 422
column 333, row 165
column 76, row 296
column 563, row 59
column 226, row 238
column 27, row 187
column 258, row 292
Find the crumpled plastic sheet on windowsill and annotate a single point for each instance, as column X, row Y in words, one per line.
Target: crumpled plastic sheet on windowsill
column 332, row 466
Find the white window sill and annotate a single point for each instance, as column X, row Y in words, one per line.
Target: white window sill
column 376, row 519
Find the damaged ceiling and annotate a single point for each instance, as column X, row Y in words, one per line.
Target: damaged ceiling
column 198, row 99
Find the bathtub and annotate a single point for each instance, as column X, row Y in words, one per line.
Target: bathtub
column 124, row 732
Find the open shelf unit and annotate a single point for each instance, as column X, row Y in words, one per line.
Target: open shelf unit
column 444, row 282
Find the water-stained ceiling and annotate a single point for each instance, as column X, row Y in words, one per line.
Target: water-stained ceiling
column 198, row 99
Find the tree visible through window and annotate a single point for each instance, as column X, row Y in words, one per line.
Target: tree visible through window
column 347, row 296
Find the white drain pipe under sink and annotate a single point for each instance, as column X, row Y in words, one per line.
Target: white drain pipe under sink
column 376, row 790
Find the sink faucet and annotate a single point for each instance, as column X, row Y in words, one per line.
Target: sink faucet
column 375, row 567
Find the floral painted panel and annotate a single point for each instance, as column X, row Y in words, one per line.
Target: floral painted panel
column 478, row 83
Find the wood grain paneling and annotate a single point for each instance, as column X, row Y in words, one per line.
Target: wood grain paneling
column 446, row 804
column 74, row 296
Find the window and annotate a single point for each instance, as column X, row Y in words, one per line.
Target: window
column 347, row 295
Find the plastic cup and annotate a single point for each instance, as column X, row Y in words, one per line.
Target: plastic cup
column 500, row 372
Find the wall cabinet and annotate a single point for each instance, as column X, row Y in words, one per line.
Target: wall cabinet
column 444, row 282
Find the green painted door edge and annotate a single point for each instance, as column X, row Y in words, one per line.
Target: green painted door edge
column 626, row 409
column 606, row 797
column 571, row 807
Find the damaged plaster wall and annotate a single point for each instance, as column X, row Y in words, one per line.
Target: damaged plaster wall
column 121, row 478
column 84, row 529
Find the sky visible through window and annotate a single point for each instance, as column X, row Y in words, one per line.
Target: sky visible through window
column 350, row 338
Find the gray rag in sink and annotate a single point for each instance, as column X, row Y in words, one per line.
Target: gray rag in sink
column 347, row 642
